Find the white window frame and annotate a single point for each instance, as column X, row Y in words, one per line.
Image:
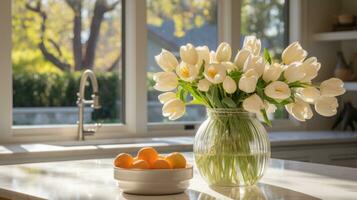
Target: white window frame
column 136, row 122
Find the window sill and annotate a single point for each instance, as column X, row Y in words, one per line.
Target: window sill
column 51, row 151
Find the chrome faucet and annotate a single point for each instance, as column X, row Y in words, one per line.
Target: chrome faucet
column 82, row 102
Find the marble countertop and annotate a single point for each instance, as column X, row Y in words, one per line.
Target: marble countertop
column 93, row 179
column 54, row 151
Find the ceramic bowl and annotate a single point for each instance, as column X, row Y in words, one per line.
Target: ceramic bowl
column 153, row 181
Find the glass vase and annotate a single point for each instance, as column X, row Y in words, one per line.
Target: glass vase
column 231, row 148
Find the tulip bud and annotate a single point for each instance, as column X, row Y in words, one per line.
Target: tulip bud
column 294, row 72
column 241, row 57
column 229, row 85
column 272, row 72
column 277, row 90
column 293, row 53
column 189, row 54
column 166, row 60
column 299, row 109
column 253, row 104
column 309, row 94
column 255, row 62
column 203, row 85
column 332, row 87
column 310, row 67
column 215, row 73
column 248, row 81
column 223, row 52
column 326, row 106
column 252, row 44
column 229, row 66
column 167, row 96
column 212, row 57
column 203, row 55
column 174, row 109
column 187, row 72
column 165, row 81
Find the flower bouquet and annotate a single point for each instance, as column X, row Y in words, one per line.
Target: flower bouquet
column 231, row 146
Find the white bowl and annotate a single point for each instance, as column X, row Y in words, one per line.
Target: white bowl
column 153, row 181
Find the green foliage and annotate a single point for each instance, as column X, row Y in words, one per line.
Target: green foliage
column 186, row 14
column 57, row 90
column 267, row 56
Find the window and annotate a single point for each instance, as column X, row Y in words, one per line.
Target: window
column 53, row 41
column 268, row 21
column 171, row 24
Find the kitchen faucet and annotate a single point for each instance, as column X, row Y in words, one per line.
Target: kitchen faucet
column 82, row 102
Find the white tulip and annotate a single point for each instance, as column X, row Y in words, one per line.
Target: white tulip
column 308, row 94
column 332, row 87
column 293, row 53
column 253, row 104
column 215, row 73
column 203, row 55
column 223, row 52
column 187, row 72
column 167, row 96
column 252, row 44
column 299, row 109
column 269, row 108
column 241, row 57
column 166, row 60
column 255, row 62
column 165, row 81
column 229, row 85
column 203, row 85
column 311, row 68
column 272, row 72
column 294, row 72
column 248, row 81
column 326, row 106
column 212, row 57
column 174, row 109
column 277, row 90
column 189, row 54
column 229, row 66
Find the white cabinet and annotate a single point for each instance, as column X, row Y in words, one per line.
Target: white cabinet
column 344, row 154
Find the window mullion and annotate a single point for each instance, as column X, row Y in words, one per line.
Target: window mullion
column 5, row 71
column 135, row 66
column 229, row 22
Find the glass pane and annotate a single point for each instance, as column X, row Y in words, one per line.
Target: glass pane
column 173, row 23
column 54, row 41
column 267, row 20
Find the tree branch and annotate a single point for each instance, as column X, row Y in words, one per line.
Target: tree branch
column 47, row 54
column 101, row 7
column 76, row 6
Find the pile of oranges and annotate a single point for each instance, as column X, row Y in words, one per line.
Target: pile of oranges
column 148, row 158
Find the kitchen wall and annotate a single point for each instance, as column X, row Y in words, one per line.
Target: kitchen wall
column 318, row 16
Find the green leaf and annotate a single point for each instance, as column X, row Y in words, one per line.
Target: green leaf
column 267, row 56
column 213, row 94
column 265, row 116
column 202, row 69
column 229, row 102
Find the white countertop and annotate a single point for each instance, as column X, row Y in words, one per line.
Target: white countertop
column 93, row 179
column 51, row 151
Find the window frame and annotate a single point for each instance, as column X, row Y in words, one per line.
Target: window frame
column 135, row 123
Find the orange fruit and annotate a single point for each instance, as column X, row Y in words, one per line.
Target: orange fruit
column 148, row 154
column 161, row 164
column 141, row 164
column 177, row 160
column 123, row 160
